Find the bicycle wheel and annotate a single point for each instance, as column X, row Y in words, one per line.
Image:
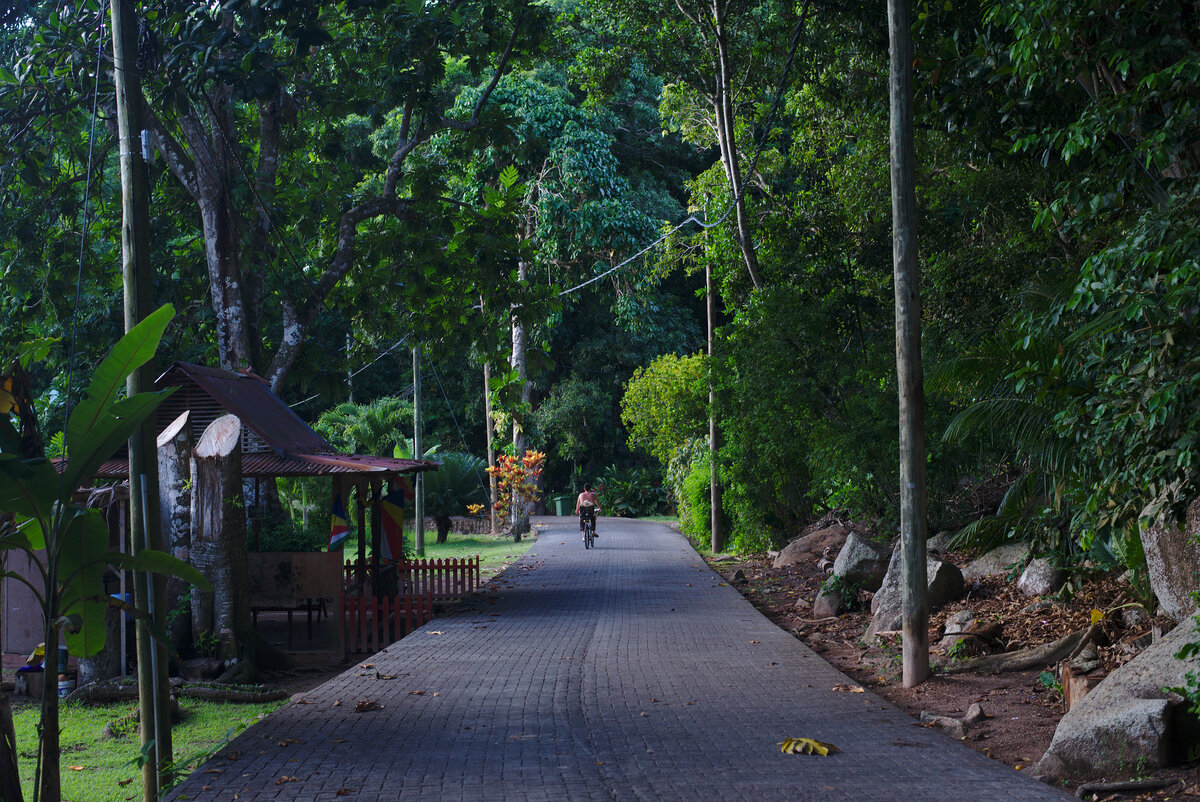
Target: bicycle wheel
column 589, row 535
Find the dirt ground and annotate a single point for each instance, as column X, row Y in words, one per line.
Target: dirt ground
column 1022, row 707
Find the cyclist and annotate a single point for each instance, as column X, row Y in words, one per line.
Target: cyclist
column 587, row 506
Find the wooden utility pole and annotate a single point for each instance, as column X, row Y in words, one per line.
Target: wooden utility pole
column 418, row 453
column 909, row 375
column 714, row 485
column 145, row 529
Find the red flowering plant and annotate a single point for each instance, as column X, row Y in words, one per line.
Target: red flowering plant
column 518, row 481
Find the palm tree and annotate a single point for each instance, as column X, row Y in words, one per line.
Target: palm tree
column 458, row 482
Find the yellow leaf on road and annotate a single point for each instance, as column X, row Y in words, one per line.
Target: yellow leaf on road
column 806, row 746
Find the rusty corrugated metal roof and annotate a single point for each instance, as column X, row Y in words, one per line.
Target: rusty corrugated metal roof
column 249, row 398
column 265, row 465
column 296, row 450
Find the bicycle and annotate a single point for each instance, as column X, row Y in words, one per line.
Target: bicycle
column 589, row 531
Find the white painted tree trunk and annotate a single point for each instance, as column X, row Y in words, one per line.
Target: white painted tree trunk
column 218, row 547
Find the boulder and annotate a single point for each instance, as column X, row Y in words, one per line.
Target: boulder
column 945, row 584
column 826, row 605
column 999, row 560
column 201, row 668
column 1040, row 578
column 1173, row 560
column 809, row 547
column 939, row 543
column 959, row 622
column 1127, row 723
column 861, row 562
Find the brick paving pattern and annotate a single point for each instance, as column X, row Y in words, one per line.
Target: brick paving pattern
column 627, row 672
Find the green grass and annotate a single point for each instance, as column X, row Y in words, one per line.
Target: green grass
column 494, row 552
column 106, row 763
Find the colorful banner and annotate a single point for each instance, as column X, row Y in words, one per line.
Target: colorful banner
column 392, row 507
column 339, row 526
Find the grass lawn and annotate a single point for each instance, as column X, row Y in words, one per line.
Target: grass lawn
column 494, row 552
column 100, row 769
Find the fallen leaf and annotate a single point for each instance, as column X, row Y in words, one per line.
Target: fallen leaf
column 754, row 641
column 343, row 792
column 1097, row 616
column 367, row 704
column 847, row 687
column 288, row 741
column 76, row 768
column 337, row 702
column 806, row 746
column 124, row 783
column 367, row 665
column 385, row 676
column 436, row 632
column 287, row 779
column 416, row 693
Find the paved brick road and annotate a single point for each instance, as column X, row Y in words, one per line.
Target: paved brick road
column 626, row 672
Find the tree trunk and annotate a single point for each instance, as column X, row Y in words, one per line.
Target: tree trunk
column 219, row 220
column 726, row 139
column 444, row 522
column 174, row 473
column 219, row 538
column 10, row 777
column 910, row 377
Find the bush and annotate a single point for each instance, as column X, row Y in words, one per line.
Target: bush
column 631, row 492
column 281, row 533
column 695, row 503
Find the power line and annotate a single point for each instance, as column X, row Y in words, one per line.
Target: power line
column 740, row 190
column 84, row 226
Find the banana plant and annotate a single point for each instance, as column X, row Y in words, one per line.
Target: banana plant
column 68, row 543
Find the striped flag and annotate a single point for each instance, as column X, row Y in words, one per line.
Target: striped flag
column 339, row 527
column 392, row 506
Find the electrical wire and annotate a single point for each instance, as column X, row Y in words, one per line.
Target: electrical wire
column 83, row 234
column 745, row 183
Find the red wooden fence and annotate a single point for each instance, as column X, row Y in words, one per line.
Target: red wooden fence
column 444, row 579
column 373, row 623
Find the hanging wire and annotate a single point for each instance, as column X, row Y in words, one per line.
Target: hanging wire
column 692, row 219
column 87, row 198
column 462, row 438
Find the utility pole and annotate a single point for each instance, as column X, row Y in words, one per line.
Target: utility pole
column 714, row 485
column 491, row 447
column 418, row 453
column 909, row 375
column 145, row 529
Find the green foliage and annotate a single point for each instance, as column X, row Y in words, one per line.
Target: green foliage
column 665, row 404
column 695, row 502
column 285, row 533
column 461, row 480
column 845, row 591
column 631, row 492
column 375, row 428
column 73, row 541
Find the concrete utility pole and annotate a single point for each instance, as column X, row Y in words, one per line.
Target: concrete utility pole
column 145, row 529
column 418, row 453
column 491, row 447
column 910, row 377
column 714, row 486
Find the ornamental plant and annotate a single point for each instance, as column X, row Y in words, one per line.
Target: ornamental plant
column 518, row 482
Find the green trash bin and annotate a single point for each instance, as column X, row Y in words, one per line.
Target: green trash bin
column 562, row 505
